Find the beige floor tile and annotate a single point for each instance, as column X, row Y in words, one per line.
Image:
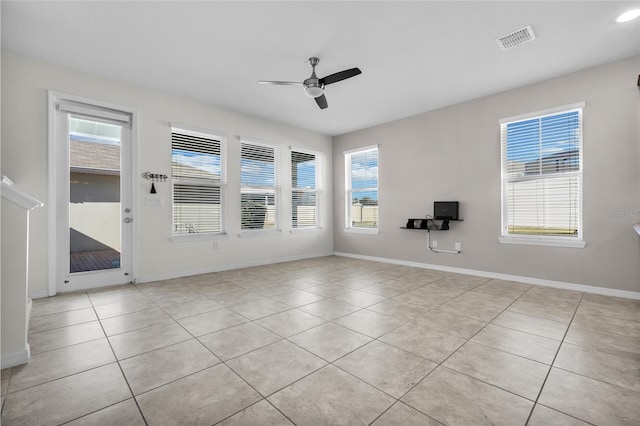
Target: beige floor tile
column 473, row 306
column 66, row 399
column 156, row 368
column 273, row 367
column 389, row 369
column 590, row 400
column 297, row 298
column 369, row 323
column 330, row 341
column 467, row 282
column 55, row 364
column 553, row 295
column 259, row 414
column 6, row 376
column 237, row 298
column 135, row 321
column 543, row 416
column 543, row 310
column 65, row 336
column 161, row 287
column 329, row 309
column 126, row 307
column 607, row 324
column 401, row 310
column 530, row 324
column 331, row 397
column 136, row 342
column 441, row 289
column 327, row 290
column 238, row 340
column 191, row 307
column 421, row 340
column 613, row 369
column 301, row 282
column 423, row 298
column 122, row 414
column 291, row 322
column 595, row 304
column 209, row 322
column 110, row 295
column 214, row 291
column 171, row 298
column 354, row 283
column 386, row 289
column 448, row 322
column 202, row 398
column 273, row 289
column 526, row 345
column 504, row 370
column 604, row 341
column 260, row 308
column 402, row 414
column 361, row 299
column 61, row 319
column 456, row 399
column 60, row 303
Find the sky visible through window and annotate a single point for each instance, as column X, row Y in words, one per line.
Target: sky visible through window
column 364, row 174
column 209, row 163
column 534, row 140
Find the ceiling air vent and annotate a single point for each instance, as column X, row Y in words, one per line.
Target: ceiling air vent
column 516, row 38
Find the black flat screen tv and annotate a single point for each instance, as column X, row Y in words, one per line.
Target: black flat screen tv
column 447, row 210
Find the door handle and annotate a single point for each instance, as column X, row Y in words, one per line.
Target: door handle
column 128, row 220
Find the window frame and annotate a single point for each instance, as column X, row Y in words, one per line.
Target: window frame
column 348, row 225
column 317, row 190
column 276, row 188
column 576, row 241
column 222, row 139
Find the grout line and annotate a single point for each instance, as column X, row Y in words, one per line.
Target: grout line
column 119, row 366
column 554, row 359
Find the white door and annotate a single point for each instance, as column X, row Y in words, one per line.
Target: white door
column 93, row 205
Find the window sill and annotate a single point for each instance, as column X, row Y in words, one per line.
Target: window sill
column 259, row 233
column 371, row 231
column 198, row 237
column 306, row 230
column 543, row 242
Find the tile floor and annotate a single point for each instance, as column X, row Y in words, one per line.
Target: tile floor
column 332, row 341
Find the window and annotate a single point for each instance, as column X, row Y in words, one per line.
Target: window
column 198, row 167
column 260, row 186
column 361, row 181
column 304, row 190
column 542, row 177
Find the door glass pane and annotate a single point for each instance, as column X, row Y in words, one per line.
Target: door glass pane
column 94, row 204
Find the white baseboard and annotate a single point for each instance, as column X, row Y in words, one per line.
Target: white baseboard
column 172, row 275
column 16, row 358
column 527, row 280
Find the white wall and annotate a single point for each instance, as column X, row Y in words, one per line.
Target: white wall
column 25, row 82
column 454, row 154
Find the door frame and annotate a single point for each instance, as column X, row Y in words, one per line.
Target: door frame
column 54, row 174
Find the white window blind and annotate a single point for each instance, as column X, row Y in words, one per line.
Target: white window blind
column 542, row 176
column 198, row 167
column 361, row 181
column 304, row 190
column 260, row 186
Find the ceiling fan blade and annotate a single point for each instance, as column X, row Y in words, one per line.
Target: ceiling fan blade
column 339, row 76
column 321, row 101
column 281, row 83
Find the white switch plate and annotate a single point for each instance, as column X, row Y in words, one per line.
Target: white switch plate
column 458, row 248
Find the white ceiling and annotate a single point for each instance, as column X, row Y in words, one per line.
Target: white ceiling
column 414, row 56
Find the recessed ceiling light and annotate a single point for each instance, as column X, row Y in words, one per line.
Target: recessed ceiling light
column 628, row 15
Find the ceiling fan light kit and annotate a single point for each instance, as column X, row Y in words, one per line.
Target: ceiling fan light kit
column 314, row 86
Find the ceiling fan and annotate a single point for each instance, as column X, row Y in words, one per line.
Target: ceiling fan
column 314, row 86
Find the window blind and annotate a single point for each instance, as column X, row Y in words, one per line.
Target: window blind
column 260, row 186
column 361, row 168
column 542, row 175
column 304, row 190
column 198, row 174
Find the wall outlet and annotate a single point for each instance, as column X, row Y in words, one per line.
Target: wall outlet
column 458, row 247
column 215, row 245
column 435, row 244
